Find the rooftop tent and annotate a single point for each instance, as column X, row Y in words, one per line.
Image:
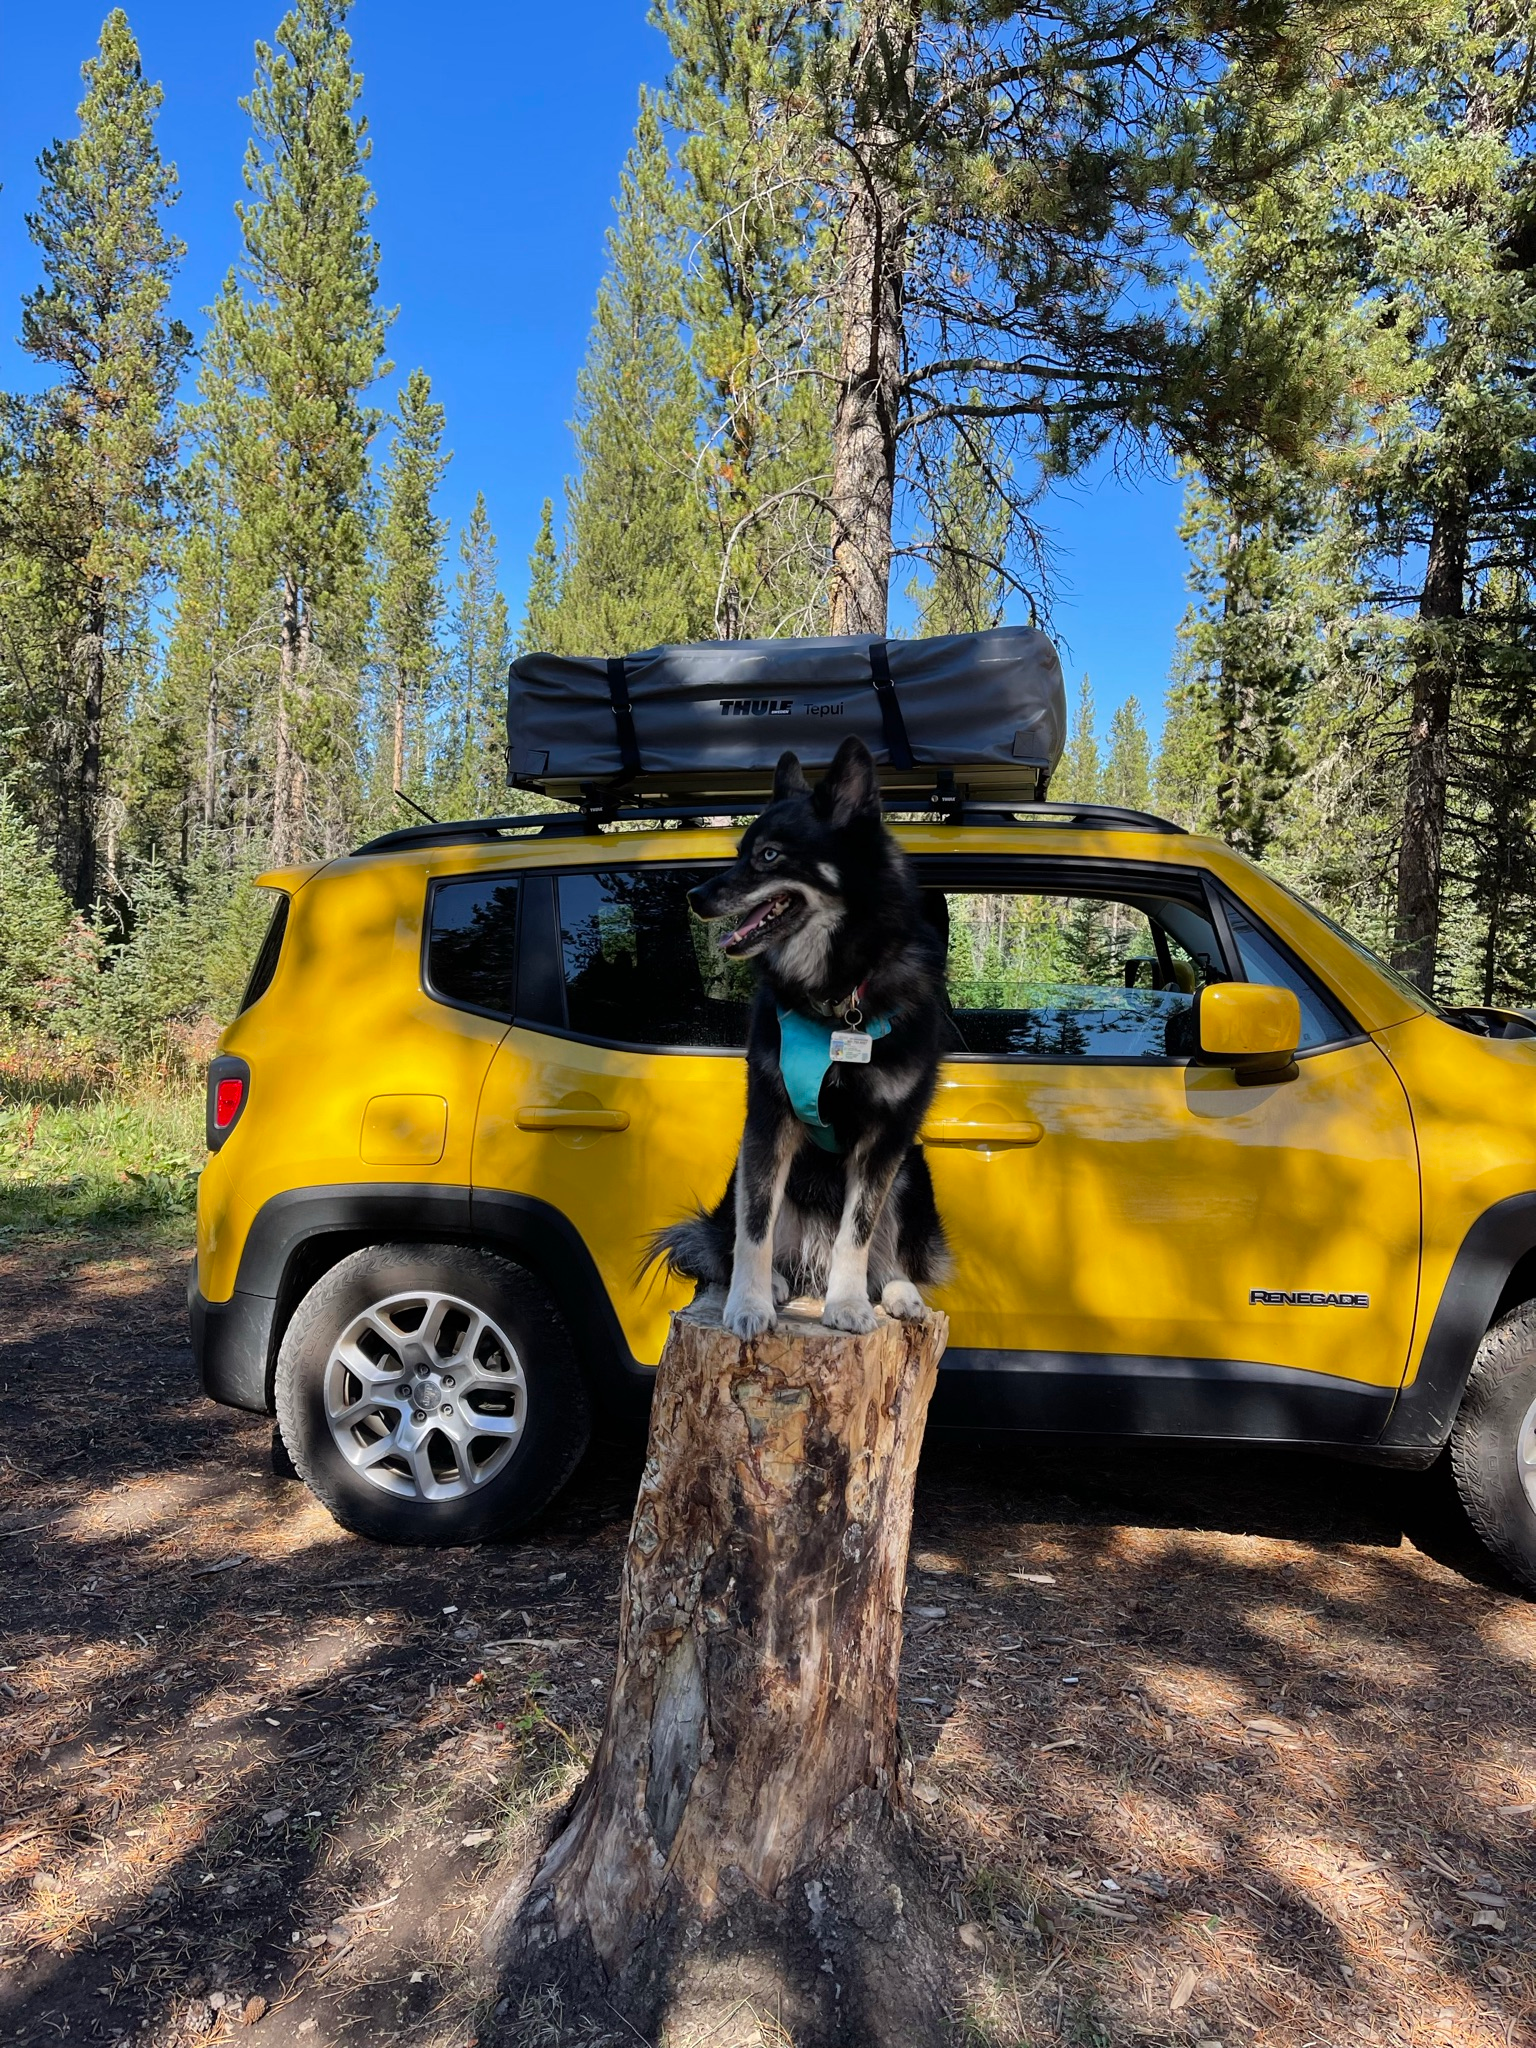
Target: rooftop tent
column 987, row 710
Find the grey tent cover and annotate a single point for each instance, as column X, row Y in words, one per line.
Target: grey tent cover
column 713, row 718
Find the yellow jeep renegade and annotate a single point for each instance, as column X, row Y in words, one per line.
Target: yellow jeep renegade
column 478, row 1065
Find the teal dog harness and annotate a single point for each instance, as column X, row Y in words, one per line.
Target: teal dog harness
column 805, row 1054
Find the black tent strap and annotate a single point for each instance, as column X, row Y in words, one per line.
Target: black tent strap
column 623, row 716
column 892, row 723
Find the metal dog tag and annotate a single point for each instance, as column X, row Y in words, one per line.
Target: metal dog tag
column 852, row 1047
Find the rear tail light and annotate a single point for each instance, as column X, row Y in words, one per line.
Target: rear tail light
column 229, row 1089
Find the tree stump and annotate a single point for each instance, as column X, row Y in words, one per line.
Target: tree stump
column 738, row 1835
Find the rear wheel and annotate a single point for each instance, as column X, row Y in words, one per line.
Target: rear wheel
column 429, row 1394
column 1493, row 1445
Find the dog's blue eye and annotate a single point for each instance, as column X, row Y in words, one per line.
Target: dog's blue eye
column 767, row 853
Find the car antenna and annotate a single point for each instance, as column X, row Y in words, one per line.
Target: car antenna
column 416, row 807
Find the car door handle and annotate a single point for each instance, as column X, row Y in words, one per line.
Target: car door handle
column 1023, row 1133
column 535, row 1116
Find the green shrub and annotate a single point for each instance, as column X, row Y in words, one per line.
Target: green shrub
column 173, row 960
column 34, row 919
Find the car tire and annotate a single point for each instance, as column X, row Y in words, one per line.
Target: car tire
column 1493, row 1443
column 429, row 1394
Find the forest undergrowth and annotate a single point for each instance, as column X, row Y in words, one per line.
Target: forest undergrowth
column 91, row 1144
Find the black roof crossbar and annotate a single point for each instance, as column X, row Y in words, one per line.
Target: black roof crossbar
column 942, row 810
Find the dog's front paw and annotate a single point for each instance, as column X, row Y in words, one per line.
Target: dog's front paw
column 748, row 1315
column 781, row 1290
column 853, row 1312
column 901, row 1299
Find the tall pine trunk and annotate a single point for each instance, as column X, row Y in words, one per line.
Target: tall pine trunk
column 91, row 654
column 211, row 757
column 397, row 780
column 1436, row 652
column 285, row 763
column 874, row 237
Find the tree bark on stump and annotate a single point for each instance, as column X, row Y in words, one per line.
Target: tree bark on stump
column 738, row 1834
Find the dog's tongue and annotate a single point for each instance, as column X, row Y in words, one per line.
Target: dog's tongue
column 750, row 924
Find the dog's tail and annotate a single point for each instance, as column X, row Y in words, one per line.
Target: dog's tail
column 691, row 1250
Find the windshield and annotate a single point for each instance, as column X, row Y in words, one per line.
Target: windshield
column 1399, row 981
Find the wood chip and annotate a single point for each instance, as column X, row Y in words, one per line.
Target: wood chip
column 1184, row 1990
column 223, row 1564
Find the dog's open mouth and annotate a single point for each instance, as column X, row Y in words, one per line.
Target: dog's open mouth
column 755, row 929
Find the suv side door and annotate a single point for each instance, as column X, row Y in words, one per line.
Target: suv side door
column 1142, row 1244
column 619, row 1092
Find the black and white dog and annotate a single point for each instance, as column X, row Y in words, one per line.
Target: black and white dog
column 830, row 1195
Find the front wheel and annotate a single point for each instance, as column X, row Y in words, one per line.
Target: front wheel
column 429, row 1394
column 1493, row 1443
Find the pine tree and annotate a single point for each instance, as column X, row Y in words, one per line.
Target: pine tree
column 410, row 592
column 994, row 195
column 1404, row 237
column 475, row 764
column 1241, row 647
column 99, row 446
column 1077, row 779
column 634, row 573
column 1127, row 778
column 307, row 339
column 223, row 631
column 968, row 545
column 541, row 612
column 757, row 314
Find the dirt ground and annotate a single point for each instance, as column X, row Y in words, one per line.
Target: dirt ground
column 1209, row 1747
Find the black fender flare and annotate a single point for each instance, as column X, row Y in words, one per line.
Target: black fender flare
column 297, row 1236
column 1476, row 1289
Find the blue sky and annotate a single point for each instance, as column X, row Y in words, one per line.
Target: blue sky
column 498, row 133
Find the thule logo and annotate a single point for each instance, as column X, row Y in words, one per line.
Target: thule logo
column 755, row 707
column 1301, row 1297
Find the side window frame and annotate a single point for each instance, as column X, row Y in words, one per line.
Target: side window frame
column 492, row 877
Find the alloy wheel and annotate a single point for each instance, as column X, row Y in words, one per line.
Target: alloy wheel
column 425, row 1396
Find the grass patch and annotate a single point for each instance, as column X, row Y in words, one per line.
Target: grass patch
column 91, row 1147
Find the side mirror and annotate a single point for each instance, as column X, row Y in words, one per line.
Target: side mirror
column 1252, row 1029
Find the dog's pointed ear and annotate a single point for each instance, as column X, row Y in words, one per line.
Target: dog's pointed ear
column 789, row 778
column 850, row 788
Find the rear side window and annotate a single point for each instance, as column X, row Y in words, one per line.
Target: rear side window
column 640, row 969
column 267, row 958
column 471, row 957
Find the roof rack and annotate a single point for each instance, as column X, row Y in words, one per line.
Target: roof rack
column 942, row 809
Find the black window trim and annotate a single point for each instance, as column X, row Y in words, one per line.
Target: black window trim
column 268, row 955
column 497, row 876
column 1354, row 1034
column 1126, row 879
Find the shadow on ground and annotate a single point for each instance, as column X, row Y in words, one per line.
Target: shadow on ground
column 1209, row 1745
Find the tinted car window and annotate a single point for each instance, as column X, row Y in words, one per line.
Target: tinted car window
column 640, row 969
column 472, row 943
column 1265, row 960
column 1035, row 975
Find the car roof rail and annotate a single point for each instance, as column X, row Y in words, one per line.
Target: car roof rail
column 940, row 809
